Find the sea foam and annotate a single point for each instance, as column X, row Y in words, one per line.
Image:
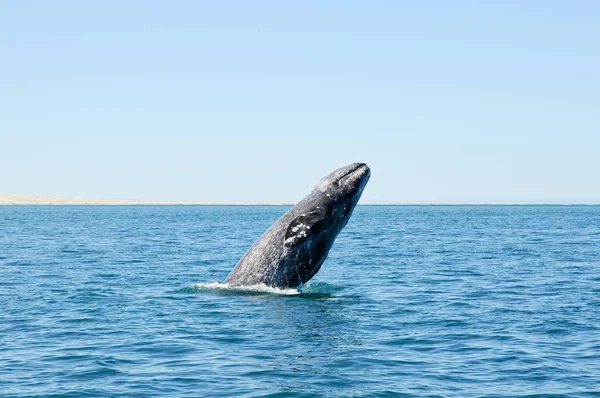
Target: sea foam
column 259, row 288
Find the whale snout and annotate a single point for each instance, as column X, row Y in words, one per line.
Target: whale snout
column 345, row 181
column 363, row 170
column 353, row 168
column 356, row 176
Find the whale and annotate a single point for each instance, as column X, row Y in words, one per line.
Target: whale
column 293, row 249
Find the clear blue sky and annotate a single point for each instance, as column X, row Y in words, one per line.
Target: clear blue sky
column 446, row 101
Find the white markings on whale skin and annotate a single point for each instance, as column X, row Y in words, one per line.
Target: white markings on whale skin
column 301, row 229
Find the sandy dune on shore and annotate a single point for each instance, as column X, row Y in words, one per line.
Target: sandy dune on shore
column 14, row 199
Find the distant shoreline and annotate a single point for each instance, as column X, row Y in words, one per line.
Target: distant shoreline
column 13, row 199
column 32, row 200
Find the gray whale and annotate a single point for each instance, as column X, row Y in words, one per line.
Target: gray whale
column 293, row 249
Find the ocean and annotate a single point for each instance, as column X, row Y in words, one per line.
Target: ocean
column 413, row 301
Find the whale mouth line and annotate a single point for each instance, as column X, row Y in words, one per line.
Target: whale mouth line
column 358, row 167
column 352, row 170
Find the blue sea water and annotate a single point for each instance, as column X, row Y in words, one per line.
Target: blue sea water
column 423, row 301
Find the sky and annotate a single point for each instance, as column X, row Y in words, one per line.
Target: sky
column 447, row 102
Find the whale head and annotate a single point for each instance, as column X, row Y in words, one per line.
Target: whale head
column 345, row 184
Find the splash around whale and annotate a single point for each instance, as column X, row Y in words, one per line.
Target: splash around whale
column 293, row 249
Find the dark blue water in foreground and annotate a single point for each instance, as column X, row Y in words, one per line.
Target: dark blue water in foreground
column 453, row 301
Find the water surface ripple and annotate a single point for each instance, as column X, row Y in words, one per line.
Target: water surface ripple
column 448, row 301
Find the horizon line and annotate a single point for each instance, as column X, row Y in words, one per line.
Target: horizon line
column 19, row 199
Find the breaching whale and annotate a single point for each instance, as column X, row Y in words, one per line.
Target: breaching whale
column 293, row 249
